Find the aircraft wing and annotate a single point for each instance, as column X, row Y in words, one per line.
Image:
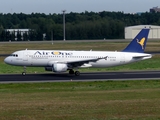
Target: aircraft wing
column 79, row 63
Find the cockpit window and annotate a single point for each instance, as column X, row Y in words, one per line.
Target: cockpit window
column 14, row 55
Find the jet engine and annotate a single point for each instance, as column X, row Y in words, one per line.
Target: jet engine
column 58, row 67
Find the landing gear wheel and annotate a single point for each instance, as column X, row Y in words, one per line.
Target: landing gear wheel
column 71, row 72
column 77, row 73
column 23, row 73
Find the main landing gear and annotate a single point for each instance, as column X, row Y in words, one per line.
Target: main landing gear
column 77, row 73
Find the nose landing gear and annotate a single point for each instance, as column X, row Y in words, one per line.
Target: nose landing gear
column 24, row 72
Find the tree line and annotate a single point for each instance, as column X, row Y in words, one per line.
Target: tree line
column 79, row 26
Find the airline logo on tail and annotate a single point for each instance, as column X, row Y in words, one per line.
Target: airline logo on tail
column 141, row 42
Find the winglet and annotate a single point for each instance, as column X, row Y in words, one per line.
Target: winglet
column 138, row 44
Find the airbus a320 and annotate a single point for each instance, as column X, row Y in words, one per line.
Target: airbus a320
column 63, row 60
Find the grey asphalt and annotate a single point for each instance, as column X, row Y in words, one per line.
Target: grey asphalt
column 65, row 77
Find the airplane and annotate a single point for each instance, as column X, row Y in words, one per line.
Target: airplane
column 61, row 60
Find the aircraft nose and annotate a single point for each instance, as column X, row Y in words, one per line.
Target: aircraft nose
column 7, row 60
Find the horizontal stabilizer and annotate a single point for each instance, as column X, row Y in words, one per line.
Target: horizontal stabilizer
column 142, row 56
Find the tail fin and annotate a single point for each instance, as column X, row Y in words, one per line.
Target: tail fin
column 138, row 44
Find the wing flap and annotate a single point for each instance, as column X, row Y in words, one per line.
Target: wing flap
column 77, row 63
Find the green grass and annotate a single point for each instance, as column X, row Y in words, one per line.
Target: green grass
column 7, row 48
column 138, row 100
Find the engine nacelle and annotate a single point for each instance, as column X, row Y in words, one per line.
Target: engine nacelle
column 58, row 67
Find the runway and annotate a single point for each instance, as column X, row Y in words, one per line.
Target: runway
column 94, row 76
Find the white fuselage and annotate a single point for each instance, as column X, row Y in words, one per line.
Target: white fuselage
column 45, row 58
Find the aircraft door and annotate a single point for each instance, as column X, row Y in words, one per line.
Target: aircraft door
column 25, row 56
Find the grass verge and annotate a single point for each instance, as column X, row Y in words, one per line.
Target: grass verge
column 138, row 100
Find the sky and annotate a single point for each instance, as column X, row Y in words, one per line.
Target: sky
column 56, row 6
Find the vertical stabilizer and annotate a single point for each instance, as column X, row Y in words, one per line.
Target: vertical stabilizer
column 138, row 44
